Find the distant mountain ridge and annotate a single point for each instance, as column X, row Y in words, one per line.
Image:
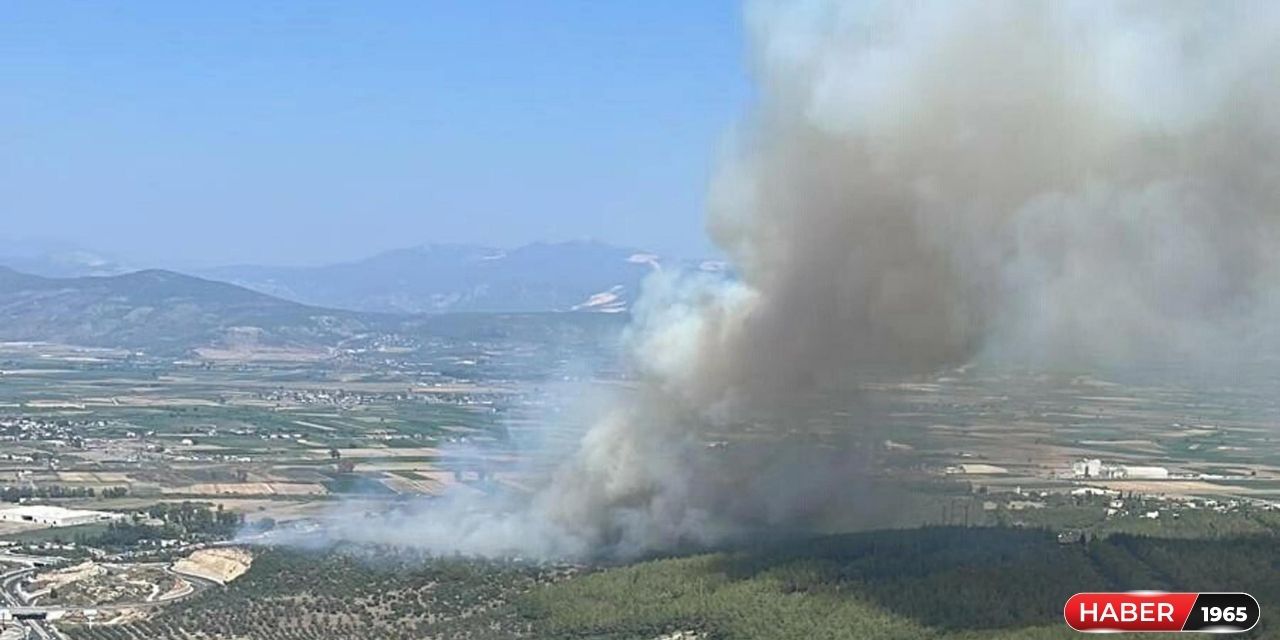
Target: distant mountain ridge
column 58, row 261
column 159, row 310
column 167, row 313
column 581, row 276
column 566, row 276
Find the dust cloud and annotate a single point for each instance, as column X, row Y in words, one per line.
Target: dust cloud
column 920, row 185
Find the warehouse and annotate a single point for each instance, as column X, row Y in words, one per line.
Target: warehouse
column 50, row 516
column 1142, row 473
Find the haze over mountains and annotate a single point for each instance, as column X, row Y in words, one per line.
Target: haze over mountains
column 165, row 313
column 56, row 259
column 160, row 311
column 396, row 298
column 439, row 278
column 568, row 276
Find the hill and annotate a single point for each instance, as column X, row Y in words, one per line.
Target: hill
column 567, row 276
column 161, row 311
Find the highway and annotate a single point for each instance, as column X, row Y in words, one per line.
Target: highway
column 35, row 628
column 44, row 630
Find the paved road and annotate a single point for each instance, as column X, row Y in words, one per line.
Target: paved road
column 22, row 558
column 44, row 630
column 35, row 628
column 197, row 585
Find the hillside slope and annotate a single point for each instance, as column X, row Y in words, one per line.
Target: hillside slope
column 160, row 311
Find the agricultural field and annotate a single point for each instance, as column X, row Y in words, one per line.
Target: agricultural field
column 86, row 432
column 959, row 477
column 113, row 433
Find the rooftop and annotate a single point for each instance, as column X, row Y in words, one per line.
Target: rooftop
column 49, row 511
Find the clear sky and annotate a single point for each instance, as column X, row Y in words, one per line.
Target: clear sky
column 192, row 133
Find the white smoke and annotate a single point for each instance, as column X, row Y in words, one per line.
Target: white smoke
column 922, row 184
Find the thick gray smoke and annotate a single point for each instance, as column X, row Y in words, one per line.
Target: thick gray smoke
column 922, row 184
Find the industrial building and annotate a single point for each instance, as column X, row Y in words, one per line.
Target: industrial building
column 1087, row 468
column 973, row 469
column 51, row 516
column 1142, row 473
column 1095, row 468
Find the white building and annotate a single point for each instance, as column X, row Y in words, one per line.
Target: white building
column 976, row 469
column 51, row 516
column 1094, row 468
column 1091, row 468
column 1094, row 491
column 1142, row 473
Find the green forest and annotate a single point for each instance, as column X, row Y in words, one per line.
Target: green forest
column 935, row 583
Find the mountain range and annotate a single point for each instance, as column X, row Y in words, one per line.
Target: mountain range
column 568, row 276
column 398, row 298
column 160, row 311
column 584, row 276
column 166, row 313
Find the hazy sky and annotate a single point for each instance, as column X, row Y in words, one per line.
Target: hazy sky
column 304, row 132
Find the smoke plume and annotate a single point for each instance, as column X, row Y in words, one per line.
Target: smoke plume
column 919, row 185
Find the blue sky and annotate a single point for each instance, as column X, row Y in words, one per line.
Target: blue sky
column 188, row 133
